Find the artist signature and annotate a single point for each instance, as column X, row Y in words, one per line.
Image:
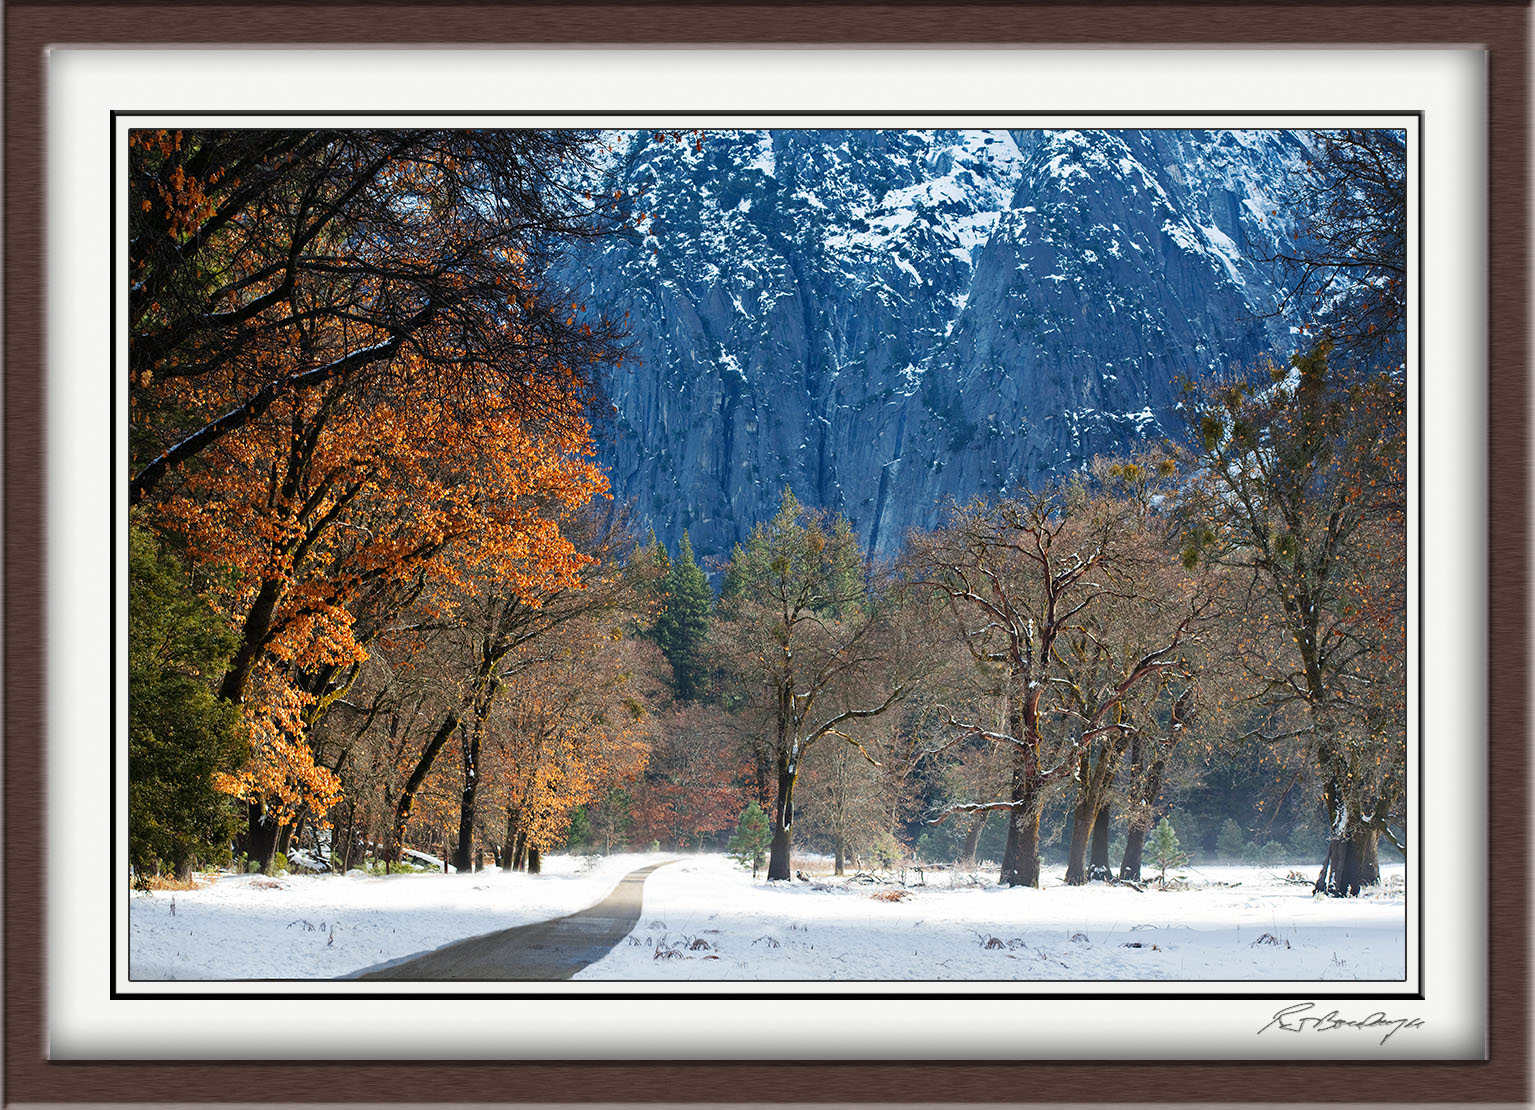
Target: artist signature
column 1299, row 1019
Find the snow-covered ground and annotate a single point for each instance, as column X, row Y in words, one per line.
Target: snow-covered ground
column 1235, row 923
column 325, row 926
column 705, row 918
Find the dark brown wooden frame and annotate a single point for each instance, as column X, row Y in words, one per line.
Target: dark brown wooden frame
column 31, row 25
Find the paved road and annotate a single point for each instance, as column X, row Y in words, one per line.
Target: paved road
column 554, row 949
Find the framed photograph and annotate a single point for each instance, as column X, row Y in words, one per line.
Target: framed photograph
column 903, row 293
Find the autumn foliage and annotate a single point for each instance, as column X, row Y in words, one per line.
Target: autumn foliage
column 354, row 393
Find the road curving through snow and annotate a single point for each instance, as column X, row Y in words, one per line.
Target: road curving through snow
column 545, row 950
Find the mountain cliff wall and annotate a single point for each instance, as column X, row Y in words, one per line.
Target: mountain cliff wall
column 887, row 320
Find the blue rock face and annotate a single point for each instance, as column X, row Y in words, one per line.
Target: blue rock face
column 887, row 320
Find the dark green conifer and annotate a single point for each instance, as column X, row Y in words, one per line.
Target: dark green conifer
column 179, row 732
column 682, row 629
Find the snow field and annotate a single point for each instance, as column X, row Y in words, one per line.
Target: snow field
column 325, row 926
column 705, row 918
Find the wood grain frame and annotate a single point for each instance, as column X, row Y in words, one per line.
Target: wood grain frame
column 31, row 26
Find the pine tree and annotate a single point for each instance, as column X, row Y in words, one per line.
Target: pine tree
column 682, row 629
column 652, row 556
column 1164, row 849
column 1229, row 845
column 750, row 842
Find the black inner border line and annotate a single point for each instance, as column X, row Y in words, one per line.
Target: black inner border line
column 113, row 761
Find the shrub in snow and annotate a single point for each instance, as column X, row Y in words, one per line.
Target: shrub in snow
column 885, row 851
column 301, row 860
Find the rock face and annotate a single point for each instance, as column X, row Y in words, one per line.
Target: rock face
column 885, row 320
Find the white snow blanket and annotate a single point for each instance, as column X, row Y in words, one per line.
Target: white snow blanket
column 706, row 918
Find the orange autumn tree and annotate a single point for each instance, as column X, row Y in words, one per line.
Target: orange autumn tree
column 269, row 264
column 562, row 715
column 352, row 385
column 560, row 649
column 573, row 725
column 320, row 530
column 442, row 676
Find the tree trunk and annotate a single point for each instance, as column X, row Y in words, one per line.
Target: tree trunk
column 262, row 832
column 1082, row 819
column 973, row 839
column 520, row 852
column 1020, row 860
column 1135, row 846
column 463, row 852
column 783, row 824
column 258, row 622
column 1140, row 817
column 413, row 784
column 1361, row 863
column 1098, row 859
column 284, row 840
column 1353, row 859
column 508, row 855
column 535, row 861
column 341, row 842
column 839, row 867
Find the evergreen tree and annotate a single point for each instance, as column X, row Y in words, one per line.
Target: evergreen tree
column 1164, row 849
column 1229, row 845
column 652, row 558
column 749, row 844
column 179, row 732
column 682, row 629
